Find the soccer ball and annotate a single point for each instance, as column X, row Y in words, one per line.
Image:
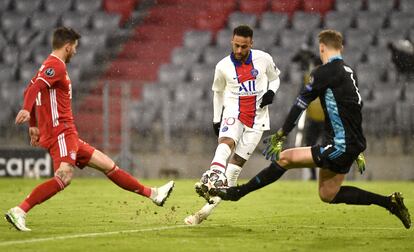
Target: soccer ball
column 213, row 179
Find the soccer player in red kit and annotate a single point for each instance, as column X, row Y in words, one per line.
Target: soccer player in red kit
column 47, row 108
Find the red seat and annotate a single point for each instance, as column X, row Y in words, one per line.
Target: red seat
column 225, row 7
column 210, row 20
column 321, row 6
column 286, row 6
column 124, row 7
column 254, row 6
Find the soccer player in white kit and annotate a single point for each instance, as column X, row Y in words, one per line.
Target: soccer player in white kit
column 245, row 82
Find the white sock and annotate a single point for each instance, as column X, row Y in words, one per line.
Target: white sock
column 223, row 153
column 232, row 174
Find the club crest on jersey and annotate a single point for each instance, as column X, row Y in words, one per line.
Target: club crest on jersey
column 50, row 72
column 254, row 72
column 72, row 155
column 225, row 128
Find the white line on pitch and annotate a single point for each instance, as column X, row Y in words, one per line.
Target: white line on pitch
column 65, row 237
column 86, row 235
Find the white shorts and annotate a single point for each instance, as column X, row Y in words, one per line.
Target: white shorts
column 245, row 138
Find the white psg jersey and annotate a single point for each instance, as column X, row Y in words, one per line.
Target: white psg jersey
column 243, row 85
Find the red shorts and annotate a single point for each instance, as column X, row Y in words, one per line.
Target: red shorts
column 70, row 149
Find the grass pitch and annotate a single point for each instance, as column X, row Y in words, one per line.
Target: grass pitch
column 95, row 215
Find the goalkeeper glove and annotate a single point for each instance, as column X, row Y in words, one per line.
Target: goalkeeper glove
column 274, row 145
column 267, row 98
column 361, row 162
column 216, row 128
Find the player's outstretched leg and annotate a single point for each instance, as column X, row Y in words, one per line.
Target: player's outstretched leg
column 17, row 217
column 160, row 194
column 203, row 213
column 398, row 209
column 393, row 203
column 266, row 176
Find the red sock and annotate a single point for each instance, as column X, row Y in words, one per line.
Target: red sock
column 127, row 182
column 42, row 193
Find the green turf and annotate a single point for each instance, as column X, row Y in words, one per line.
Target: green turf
column 286, row 216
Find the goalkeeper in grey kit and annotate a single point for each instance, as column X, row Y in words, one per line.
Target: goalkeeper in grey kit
column 335, row 84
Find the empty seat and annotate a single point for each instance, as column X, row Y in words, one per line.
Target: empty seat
column 389, row 35
column 224, row 37
column 253, row 6
column 263, row 40
column 13, row 21
column 7, row 73
column 13, row 55
column 104, row 21
column 353, row 55
column 85, row 58
column 272, row 21
column 40, row 54
column 379, row 56
column 27, row 72
column 76, row 21
column 29, row 38
column 183, row 94
column 169, row 73
column 197, row 39
column 3, row 41
column 358, row 37
column 293, row 38
column 124, row 8
column 314, row 39
column 27, row 6
column 5, row 5
column 339, row 21
column 202, row 73
column 210, row 20
column 88, row 6
column 58, row 7
column 212, row 55
column 401, row 20
column 287, row 6
column 407, row 6
column 370, row 20
column 381, row 5
column 185, row 57
column 349, row 5
column 371, row 75
column 305, row 22
column 282, row 56
column 319, row 6
column 93, row 39
column 40, row 21
column 238, row 18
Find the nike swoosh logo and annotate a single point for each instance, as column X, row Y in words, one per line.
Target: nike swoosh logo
column 235, row 78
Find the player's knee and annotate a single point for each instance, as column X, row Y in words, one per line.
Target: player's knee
column 237, row 160
column 327, row 194
column 65, row 175
column 227, row 140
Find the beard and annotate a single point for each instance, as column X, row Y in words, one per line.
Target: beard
column 68, row 58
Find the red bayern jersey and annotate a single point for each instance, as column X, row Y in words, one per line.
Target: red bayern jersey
column 53, row 101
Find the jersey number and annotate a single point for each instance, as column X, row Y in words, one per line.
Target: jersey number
column 349, row 70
